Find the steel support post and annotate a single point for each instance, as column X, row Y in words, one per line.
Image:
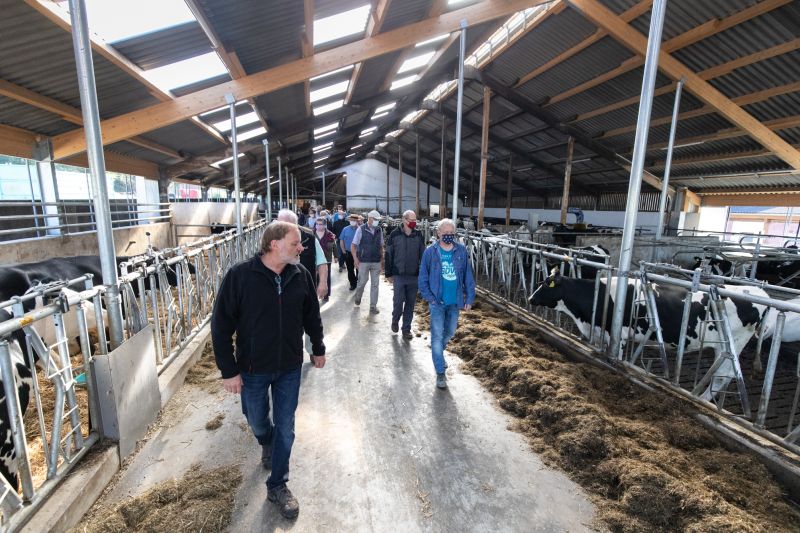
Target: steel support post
column 662, row 202
column 289, row 190
column 235, row 153
column 48, row 186
column 471, row 189
column 487, row 98
column 94, row 151
column 772, row 364
column 443, row 173
column 400, row 179
column 269, row 185
column 508, row 190
column 637, row 167
column 280, row 184
column 459, row 105
column 567, row 179
column 323, row 190
column 416, row 173
column 387, row 182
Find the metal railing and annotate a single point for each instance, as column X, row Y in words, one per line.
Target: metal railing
column 511, row 270
column 174, row 290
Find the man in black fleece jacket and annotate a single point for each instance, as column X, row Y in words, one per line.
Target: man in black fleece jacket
column 268, row 301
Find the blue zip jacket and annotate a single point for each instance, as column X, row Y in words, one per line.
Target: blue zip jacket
column 430, row 275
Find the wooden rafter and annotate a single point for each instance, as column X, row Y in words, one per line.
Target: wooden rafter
column 731, row 133
column 307, row 42
column 69, row 113
column 629, row 15
column 167, row 113
column 54, row 13
column 228, row 57
column 745, row 99
column 711, row 158
column 696, row 34
column 708, row 74
column 376, row 19
column 635, row 41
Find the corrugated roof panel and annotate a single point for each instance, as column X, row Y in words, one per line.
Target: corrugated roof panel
column 134, row 150
column 766, row 74
column 406, row 12
column 284, row 106
column 184, row 136
column 166, row 46
column 784, row 105
column 29, row 118
column 374, row 74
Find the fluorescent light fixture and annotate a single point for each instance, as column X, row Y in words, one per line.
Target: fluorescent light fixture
column 685, row 145
column 323, row 147
column 327, row 127
column 341, row 25
column 413, row 63
column 330, row 90
column 331, row 73
column 368, row 131
column 402, row 82
column 324, row 135
column 456, row 2
column 323, row 158
column 349, row 155
column 223, row 161
column 379, row 115
column 186, row 72
column 385, row 107
column 241, row 120
column 433, row 40
column 319, row 110
column 115, row 20
column 319, row 166
column 585, row 159
column 359, row 145
column 247, row 135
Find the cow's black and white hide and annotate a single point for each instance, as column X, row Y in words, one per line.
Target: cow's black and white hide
column 595, row 253
column 574, row 298
column 23, row 377
column 718, row 267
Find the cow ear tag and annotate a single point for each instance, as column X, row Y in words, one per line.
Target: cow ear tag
column 552, row 284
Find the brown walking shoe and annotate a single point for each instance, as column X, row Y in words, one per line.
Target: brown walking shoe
column 287, row 503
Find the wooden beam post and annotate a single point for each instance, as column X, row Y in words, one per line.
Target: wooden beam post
column 487, row 96
column 567, row 177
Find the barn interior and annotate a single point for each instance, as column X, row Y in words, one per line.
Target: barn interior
column 168, row 133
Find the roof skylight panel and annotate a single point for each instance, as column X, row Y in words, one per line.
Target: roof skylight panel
column 247, row 135
column 318, row 110
column 241, row 120
column 331, row 73
column 413, row 63
column 344, row 24
column 327, row 127
column 376, row 116
column 385, row 107
column 117, row 20
column 186, row 72
column 402, row 82
column 432, row 40
column 323, row 147
column 330, row 90
column 324, row 135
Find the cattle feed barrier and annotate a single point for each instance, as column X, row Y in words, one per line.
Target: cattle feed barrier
column 511, row 269
column 174, row 290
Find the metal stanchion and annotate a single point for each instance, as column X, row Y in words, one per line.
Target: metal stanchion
column 662, row 203
column 459, row 100
column 269, row 186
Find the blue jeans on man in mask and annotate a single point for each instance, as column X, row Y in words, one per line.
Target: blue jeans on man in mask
column 444, row 320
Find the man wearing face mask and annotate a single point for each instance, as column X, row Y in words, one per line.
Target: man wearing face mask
column 404, row 249
column 367, row 250
column 268, row 301
column 345, row 240
column 447, row 283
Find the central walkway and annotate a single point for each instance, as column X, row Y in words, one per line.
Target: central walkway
column 378, row 447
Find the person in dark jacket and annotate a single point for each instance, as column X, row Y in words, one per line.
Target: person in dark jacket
column 404, row 249
column 340, row 221
column 268, row 301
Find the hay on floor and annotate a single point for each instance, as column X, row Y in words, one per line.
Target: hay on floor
column 645, row 463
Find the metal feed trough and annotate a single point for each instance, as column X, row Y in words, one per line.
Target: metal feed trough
column 511, row 269
column 157, row 288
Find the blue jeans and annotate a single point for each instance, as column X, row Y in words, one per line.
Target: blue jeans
column 278, row 432
column 444, row 319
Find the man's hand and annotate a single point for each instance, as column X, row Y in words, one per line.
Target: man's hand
column 318, row 360
column 233, row 384
column 357, row 263
column 322, row 289
column 467, row 307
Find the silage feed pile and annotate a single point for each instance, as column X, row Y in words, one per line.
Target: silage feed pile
column 645, row 463
column 199, row 501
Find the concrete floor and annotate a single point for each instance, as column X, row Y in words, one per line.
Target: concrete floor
column 378, row 447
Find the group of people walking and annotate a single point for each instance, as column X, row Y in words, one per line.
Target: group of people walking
column 266, row 304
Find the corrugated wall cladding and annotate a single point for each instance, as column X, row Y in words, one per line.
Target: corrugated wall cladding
column 166, row 46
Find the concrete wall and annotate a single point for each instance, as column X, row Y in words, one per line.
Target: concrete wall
column 712, row 219
column 127, row 241
column 366, row 188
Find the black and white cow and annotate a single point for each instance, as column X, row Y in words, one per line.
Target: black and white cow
column 23, row 377
column 574, row 298
column 719, row 267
